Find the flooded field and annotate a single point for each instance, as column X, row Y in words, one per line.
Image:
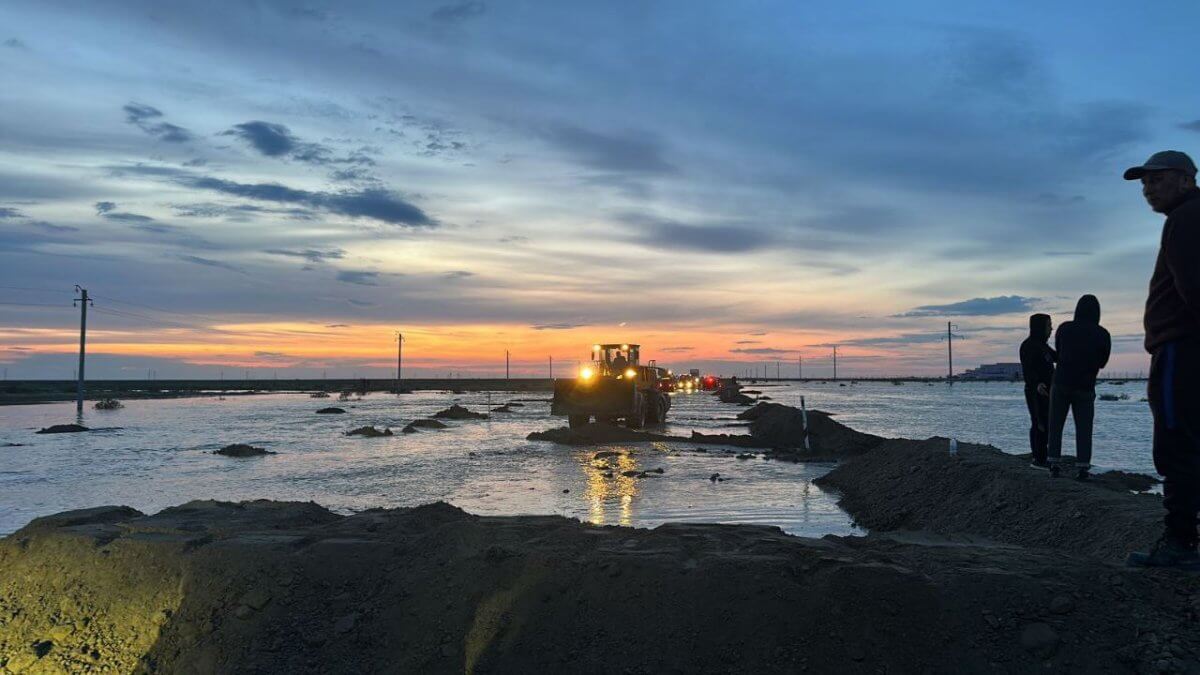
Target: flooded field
column 156, row 453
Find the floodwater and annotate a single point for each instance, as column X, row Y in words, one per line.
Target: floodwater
column 154, row 454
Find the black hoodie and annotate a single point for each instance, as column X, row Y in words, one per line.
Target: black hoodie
column 1037, row 358
column 1083, row 346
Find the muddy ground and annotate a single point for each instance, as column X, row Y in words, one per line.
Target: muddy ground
column 975, row 564
column 264, row 587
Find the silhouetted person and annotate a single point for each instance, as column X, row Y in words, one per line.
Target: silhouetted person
column 619, row 364
column 1083, row 348
column 1172, row 323
column 1037, row 366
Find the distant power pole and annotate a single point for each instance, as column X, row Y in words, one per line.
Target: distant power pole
column 399, row 359
column 950, row 328
column 800, row 367
column 777, row 370
column 506, row 364
column 83, row 303
column 551, row 367
column 835, row 362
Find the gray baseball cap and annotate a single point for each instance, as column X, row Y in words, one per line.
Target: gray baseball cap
column 1162, row 161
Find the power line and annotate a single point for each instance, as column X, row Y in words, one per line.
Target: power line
column 30, row 304
column 155, row 309
column 34, row 290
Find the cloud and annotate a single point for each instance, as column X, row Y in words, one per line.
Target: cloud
column 1194, row 125
column 127, row 217
column 375, row 203
column 458, row 12
column 357, row 277
column 208, row 262
column 9, row 212
column 706, row 238
column 1004, row 304
column 337, row 325
column 747, row 342
column 563, row 325
column 146, row 118
column 309, row 254
column 1066, row 254
column 104, row 207
column 895, row 340
column 272, row 140
column 676, row 349
column 52, row 227
column 630, row 152
column 763, row 351
column 14, row 43
column 458, row 274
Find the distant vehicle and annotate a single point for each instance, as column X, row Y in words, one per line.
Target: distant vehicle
column 613, row 387
column 687, row 383
column 710, row 383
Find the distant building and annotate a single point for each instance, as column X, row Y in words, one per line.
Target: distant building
column 994, row 371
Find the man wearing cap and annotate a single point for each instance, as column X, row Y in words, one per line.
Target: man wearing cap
column 1172, row 323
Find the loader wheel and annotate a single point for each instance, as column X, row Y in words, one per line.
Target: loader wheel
column 654, row 411
column 576, row 421
column 638, row 419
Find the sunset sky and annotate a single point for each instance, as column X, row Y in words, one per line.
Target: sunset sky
column 281, row 186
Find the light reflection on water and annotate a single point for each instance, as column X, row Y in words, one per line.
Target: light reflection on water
column 154, row 454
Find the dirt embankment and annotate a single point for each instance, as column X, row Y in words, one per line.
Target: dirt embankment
column 918, row 485
column 277, row 587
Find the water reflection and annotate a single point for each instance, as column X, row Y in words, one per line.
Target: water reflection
column 607, row 484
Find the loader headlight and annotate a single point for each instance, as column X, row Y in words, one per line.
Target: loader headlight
column 586, row 373
column 630, row 373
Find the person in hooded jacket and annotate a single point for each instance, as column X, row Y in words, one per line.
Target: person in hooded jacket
column 1037, row 366
column 1083, row 347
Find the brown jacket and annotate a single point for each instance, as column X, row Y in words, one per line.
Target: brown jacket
column 1173, row 306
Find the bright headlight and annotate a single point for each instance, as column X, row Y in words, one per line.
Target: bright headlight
column 586, row 373
column 630, row 373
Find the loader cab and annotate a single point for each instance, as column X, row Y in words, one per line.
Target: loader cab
column 616, row 360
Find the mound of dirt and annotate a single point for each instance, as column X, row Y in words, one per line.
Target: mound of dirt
column 427, row 424
column 457, row 412
column 981, row 491
column 289, row 587
column 242, row 450
column 783, row 426
column 63, row 429
column 331, row 411
column 502, row 409
column 369, row 432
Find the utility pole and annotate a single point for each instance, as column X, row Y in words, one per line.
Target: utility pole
column 950, row 328
column 399, row 360
column 551, row 367
column 835, row 362
column 506, row 364
column 800, row 367
column 83, row 302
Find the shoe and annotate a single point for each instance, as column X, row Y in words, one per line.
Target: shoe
column 1054, row 469
column 1083, row 474
column 1039, row 464
column 1167, row 552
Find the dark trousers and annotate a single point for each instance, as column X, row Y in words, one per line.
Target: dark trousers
column 1175, row 401
column 1039, row 423
column 1082, row 404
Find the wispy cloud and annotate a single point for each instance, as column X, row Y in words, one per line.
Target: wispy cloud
column 1003, row 304
column 148, row 119
column 358, row 277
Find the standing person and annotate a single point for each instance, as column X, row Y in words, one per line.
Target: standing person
column 1083, row 347
column 1172, row 323
column 1037, row 366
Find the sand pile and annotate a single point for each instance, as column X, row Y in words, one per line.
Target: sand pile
column 289, row 587
column 782, row 426
column 918, row 485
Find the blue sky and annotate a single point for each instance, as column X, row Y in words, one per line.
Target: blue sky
column 532, row 175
